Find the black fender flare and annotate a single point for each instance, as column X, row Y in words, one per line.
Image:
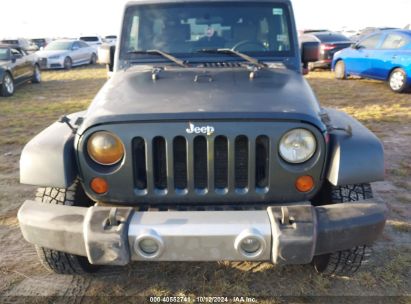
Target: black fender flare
column 48, row 160
column 355, row 156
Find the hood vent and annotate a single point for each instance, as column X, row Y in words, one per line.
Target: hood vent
column 221, row 65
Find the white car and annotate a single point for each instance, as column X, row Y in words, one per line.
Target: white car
column 93, row 41
column 64, row 54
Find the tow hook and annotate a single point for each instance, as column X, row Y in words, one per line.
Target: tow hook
column 285, row 216
column 112, row 219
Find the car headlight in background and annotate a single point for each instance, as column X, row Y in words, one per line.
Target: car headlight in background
column 105, row 148
column 297, row 146
column 54, row 57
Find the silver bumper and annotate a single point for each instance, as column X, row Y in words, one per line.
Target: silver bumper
column 287, row 235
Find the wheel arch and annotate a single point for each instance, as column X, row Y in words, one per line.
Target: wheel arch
column 356, row 155
column 49, row 158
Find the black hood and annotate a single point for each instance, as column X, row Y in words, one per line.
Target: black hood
column 218, row 94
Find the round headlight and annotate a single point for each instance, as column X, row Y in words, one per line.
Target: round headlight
column 105, row 148
column 297, row 146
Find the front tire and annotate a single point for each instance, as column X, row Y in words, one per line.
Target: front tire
column 345, row 262
column 398, row 81
column 57, row 261
column 340, row 71
column 36, row 78
column 93, row 59
column 7, row 87
column 68, row 63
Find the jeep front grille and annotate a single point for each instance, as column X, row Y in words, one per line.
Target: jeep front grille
column 201, row 165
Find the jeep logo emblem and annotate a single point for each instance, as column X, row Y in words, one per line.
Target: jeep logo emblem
column 209, row 130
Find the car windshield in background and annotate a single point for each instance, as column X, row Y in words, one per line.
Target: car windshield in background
column 260, row 29
column 4, row 54
column 9, row 41
column 59, row 46
column 89, row 39
column 332, row 38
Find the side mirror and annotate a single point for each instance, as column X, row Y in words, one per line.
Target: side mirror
column 310, row 52
column 106, row 55
column 14, row 57
column 75, row 48
column 357, row 46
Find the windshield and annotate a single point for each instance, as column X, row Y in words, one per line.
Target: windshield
column 259, row 29
column 4, row 54
column 59, row 46
column 332, row 38
column 89, row 39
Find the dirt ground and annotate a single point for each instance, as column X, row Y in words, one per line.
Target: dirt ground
column 387, row 275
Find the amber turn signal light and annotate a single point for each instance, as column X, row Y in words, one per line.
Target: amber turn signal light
column 304, row 183
column 99, row 185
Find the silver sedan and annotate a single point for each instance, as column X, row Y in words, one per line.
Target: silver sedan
column 64, row 54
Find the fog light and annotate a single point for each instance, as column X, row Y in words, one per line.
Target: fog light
column 148, row 246
column 250, row 245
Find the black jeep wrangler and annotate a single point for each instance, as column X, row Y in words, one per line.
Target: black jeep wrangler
column 205, row 144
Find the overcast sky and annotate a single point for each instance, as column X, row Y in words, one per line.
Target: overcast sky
column 28, row 18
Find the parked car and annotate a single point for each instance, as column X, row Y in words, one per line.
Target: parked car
column 204, row 150
column 93, row 41
column 384, row 55
column 40, row 42
column 21, row 43
column 16, row 67
column 331, row 42
column 64, row 54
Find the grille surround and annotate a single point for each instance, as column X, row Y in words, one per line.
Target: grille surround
column 280, row 187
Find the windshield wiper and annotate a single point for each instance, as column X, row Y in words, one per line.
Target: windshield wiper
column 164, row 54
column 250, row 59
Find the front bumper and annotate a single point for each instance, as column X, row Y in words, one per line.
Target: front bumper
column 287, row 235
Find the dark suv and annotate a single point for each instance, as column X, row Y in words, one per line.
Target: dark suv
column 205, row 144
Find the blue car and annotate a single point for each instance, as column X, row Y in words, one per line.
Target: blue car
column 384, row 55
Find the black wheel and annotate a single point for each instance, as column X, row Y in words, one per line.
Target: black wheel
column 57, row 261
column 36, row 78
column 342, row 263
column 339, row 70
column 68, row 63
column 93, row 59
column 346, row 262
column 398, row 81
column 7, row 86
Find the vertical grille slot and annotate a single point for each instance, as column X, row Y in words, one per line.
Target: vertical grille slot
column 200, row 162
column 241, row 162
column 159, row 163
column 180, row 162
column 262, row 145
column 140, row 170
column 221, row 162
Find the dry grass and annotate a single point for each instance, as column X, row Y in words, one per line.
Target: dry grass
column 35, row 106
